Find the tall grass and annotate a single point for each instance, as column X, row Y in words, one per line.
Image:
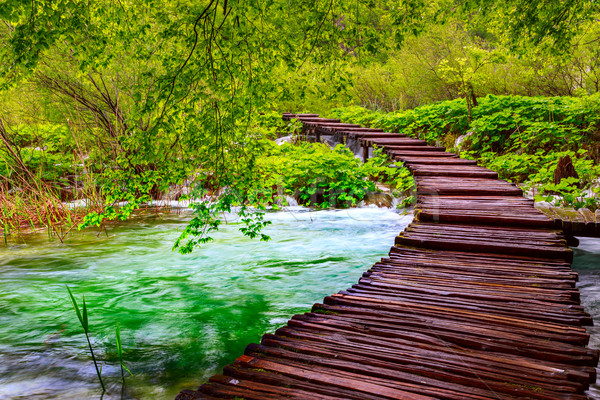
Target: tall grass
column 31, row 193
column 39, row 206
column 31, row 208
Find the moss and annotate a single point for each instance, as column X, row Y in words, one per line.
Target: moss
column 325, row 312
column 528, row 387
column 257, row 369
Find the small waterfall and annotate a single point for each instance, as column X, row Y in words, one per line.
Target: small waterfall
column 284, row 139
column 355, row 147
column 352, row 144
column 291, row 202
column 330, row 140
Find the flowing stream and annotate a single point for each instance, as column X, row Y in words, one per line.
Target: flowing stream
column 182, row 317
column 587, row 264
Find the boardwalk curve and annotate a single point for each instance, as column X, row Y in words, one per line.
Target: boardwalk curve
column 476, row 300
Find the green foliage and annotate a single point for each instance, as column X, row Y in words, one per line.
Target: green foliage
column 526, row 124
column 545, row 23
column 499, row 123
column 518, row 23
column 379, row 168
column 453, row 58
column 570, row 192
column 322, row 177
column 315, row 174
column 430, row 122
column 208, row 216
column 46, row 149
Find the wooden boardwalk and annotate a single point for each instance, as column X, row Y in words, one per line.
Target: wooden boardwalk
column 476, row 300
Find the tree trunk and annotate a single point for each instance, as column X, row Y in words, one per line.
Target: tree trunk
column 564, row 169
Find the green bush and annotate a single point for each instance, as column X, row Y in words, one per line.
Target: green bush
column 45, row 149
column 323, row 177
column 315, row 174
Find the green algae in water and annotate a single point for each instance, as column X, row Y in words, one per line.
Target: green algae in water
column 182, row 317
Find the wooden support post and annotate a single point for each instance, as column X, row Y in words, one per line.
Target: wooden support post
column 318, row 135
column 365, row 153
column 572, row 241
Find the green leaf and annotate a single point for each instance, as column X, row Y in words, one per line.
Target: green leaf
column 126, row 369
column 76, row 308
column 85, row 316
column 118, row 340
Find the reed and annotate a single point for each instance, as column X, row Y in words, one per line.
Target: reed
column 82, row 315
column 39, row 206
column 120, row 354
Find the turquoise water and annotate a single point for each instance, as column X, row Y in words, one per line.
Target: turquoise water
column 587, row 264
column 182, row 317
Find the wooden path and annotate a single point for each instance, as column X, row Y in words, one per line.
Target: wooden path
column 476, row 300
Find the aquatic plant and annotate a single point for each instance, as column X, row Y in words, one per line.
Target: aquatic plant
column 120, row 353
column 83, row 319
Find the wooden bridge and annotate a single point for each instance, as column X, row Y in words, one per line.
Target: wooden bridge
column 476, row 300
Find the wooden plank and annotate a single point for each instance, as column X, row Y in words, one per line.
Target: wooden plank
column 482, row 218
column 438, row 161
column 390, row 267
column 401, row 153
column 580, row 222
column 447, row 322
column 478, row 359
column 289, row 116
column 559, row 352
column 403, row 141
column 448, row 170
column 274, row 379
column 384, row 388
column 485, row 247
column 372, row 135
column 401, row 147
column 427, row 384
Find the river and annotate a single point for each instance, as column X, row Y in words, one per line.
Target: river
column 182, row 317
